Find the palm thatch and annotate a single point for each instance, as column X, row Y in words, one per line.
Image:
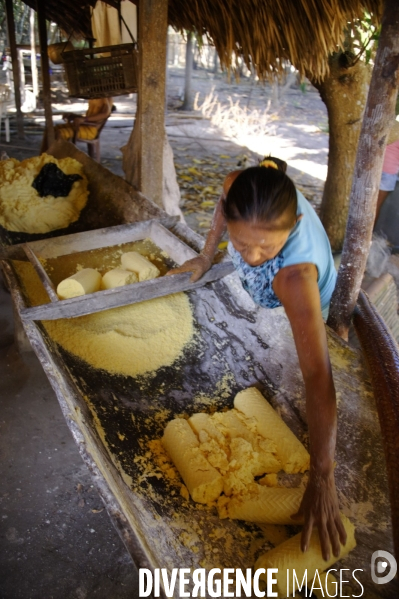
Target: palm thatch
column 266, row 33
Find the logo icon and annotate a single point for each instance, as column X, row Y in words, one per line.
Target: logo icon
column 386, row 564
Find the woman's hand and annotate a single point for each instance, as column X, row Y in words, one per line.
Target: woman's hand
column 319, row 507
column 198, row 266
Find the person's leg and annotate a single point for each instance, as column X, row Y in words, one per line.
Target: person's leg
column 60, row 132
column 382, row 194
column 390, row 170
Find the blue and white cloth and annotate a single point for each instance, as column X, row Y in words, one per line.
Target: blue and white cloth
column 307, row 243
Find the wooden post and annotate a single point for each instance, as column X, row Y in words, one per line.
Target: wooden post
column 41, row 20
column 15, row 67
column 33, row 63
column 143, row 154
column 379, row 114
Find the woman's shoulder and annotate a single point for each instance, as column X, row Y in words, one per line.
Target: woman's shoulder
column 308, row 241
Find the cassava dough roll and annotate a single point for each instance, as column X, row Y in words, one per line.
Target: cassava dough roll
column 289, row 555
column 201, row 479
column 117, row 277
column 290, row 451
column 87, row 280
column 137, row 263
column 267, row 506
column 202, row 423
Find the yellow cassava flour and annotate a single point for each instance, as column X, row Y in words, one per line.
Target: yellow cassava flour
column 21, row 207
column 131, row 340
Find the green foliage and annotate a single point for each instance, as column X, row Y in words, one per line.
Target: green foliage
column 361, row 39
column 21, row 18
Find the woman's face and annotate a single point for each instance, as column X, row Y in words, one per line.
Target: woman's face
column 256, row 242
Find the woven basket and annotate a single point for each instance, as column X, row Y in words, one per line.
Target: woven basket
column 91, row 75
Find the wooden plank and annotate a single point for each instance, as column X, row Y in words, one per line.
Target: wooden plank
column 256, row 347
column 153, row 24
column 118, row 499
column 111, row 236
column 43, row 276
column 15, row 67
column 124, row 296
column 41, row 21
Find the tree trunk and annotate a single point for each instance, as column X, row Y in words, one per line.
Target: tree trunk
column 344, row 92
column 379, row 113
column 188, row 103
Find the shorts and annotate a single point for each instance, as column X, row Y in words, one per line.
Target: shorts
column 66, row 132
column 388, row 182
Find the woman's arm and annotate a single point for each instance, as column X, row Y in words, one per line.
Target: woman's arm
column 296, row 287
column 202, row 263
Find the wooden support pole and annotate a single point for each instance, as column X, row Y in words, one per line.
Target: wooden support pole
column 378, row 117
column 41, row 20
column 15, row 67
column 33, row 62
column 149, row 129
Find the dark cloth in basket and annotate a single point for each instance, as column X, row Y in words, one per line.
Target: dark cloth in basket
column 52, row 181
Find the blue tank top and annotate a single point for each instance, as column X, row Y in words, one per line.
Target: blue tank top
column 307, row 243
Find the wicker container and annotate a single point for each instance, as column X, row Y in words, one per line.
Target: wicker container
column 102, row 72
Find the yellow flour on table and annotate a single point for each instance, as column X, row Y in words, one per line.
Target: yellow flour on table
column 131, row 340
column 21, row 207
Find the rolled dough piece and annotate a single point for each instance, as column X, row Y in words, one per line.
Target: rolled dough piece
column 289, row 555
column 268, row 506
column 203, row 423
column 145, row 269
column 87, row 280
column 117, row 277
column 232, row 427
column 290, row 451
column 203, row 481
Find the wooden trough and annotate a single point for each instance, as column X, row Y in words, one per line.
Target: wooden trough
column 237, row 345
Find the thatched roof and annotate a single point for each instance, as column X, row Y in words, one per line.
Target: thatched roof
column 265, row 32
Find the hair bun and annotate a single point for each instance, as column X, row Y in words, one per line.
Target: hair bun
column 267, row 163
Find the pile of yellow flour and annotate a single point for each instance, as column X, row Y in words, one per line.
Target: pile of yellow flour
column 131, row 340
column 21, row 207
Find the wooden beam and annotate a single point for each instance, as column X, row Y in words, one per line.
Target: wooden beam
column 41, row 20
column 378, row 118
column 33, row 62
column 153, row 24
column 15, row 67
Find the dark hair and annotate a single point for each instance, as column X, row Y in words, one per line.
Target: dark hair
column 262, row 194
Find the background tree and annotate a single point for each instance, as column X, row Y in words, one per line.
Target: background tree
column 188, row 102
column 21, row 17
column 344, row 92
